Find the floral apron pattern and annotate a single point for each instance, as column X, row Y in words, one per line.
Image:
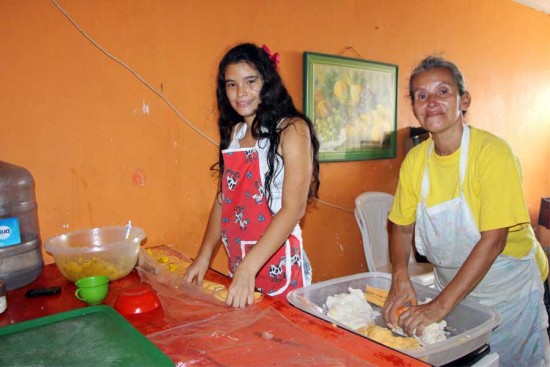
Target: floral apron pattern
column 246, row 216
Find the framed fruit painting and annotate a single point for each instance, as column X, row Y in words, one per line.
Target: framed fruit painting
column 353, row 106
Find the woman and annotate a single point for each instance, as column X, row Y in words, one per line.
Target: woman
column 460, row 194
column 268, row 171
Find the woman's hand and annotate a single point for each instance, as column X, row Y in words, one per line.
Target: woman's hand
column 401, row 294
column 415, row 319
column 241, row 290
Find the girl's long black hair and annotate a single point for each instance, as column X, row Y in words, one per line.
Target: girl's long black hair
column 276, row 104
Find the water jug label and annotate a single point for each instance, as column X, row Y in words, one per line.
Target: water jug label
column 9, row 232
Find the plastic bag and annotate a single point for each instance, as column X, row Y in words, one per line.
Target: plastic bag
column 248, row 337
column 200, row 330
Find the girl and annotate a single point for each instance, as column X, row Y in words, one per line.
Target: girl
column 268, row 170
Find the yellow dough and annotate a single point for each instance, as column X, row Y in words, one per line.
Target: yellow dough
column 211, row 286
column 376, row 296
column 170, row 262
column 221, row 294
column 175, row 265
column 386, row 337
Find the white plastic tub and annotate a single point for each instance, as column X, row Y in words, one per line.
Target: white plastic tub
column 470, row 324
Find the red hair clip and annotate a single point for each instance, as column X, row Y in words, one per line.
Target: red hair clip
column 275, row 58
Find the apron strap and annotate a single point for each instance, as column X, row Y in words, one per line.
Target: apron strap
column 464, row 147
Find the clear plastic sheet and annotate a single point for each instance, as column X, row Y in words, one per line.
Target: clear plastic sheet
column 248, row 337
column 182, row 302
column 206, row 332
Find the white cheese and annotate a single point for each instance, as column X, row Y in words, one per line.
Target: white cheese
column 351, row 309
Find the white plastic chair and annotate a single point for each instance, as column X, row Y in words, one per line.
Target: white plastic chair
column 371, row 213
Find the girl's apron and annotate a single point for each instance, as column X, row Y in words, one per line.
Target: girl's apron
column 446, row 233
column 246, row 216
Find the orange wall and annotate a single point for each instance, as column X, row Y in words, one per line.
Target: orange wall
column 103, row 148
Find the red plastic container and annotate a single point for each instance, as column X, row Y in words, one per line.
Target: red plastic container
column 137, row 300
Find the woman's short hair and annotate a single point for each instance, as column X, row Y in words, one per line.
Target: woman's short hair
column 435, row 62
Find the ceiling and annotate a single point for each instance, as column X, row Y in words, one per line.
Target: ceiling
column 542, row 5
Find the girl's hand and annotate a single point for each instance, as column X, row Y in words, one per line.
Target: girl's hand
column 241, row 290
column 401, row 295
column 197, row 270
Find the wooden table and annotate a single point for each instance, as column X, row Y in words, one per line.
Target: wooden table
column 21, row 308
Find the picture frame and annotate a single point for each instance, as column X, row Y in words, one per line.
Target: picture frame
column 353, row 106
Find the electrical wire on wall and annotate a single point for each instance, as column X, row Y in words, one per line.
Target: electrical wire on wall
column 114, row 58
column 159, row 94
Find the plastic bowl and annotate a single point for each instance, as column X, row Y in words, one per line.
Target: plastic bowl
column 137, row 300
column 97, row 251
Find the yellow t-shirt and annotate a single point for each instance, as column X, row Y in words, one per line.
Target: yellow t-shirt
column 492, row 188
